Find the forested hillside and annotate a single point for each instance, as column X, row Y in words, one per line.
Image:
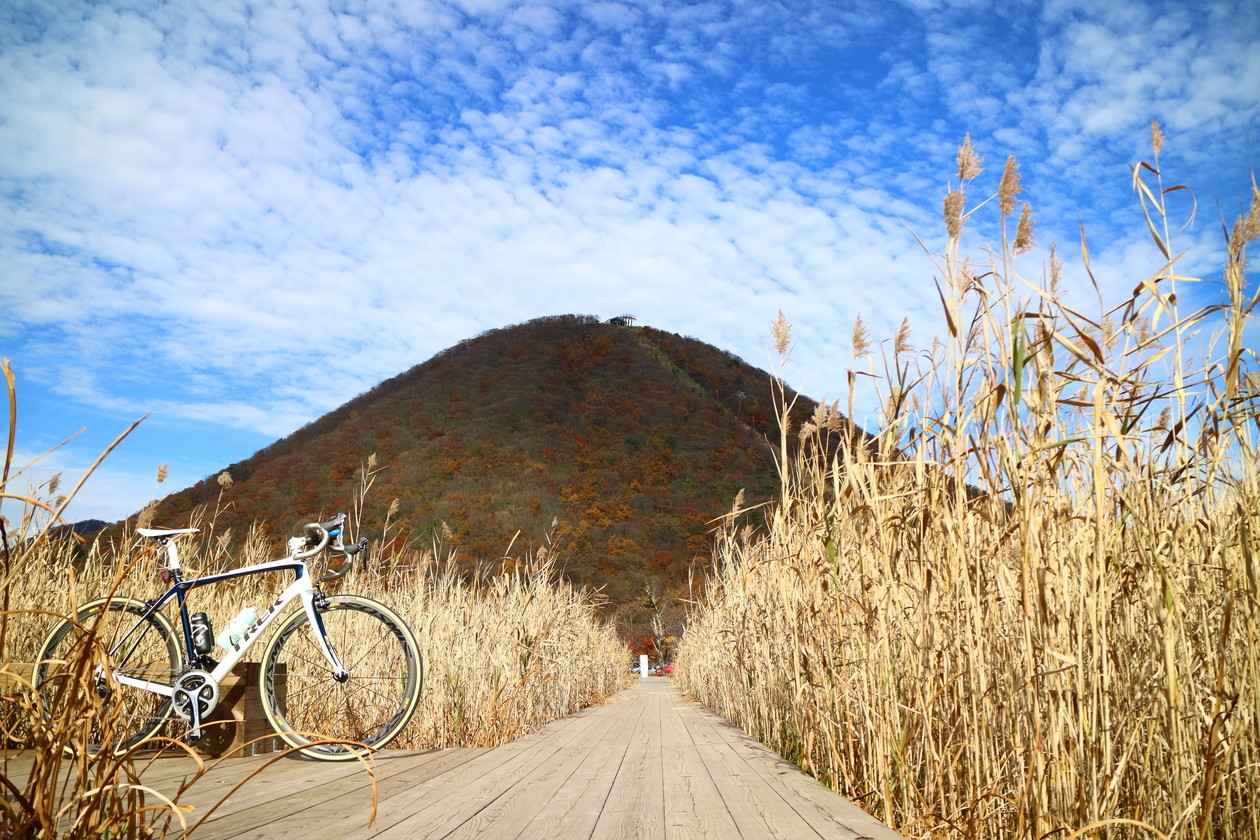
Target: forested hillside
column 620, row 444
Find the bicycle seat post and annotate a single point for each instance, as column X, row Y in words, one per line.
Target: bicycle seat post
column 172, row 556
column 166, row 537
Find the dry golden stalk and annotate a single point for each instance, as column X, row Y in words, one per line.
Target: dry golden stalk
column 969, row 163
column 1247, row 227
column 1056, row 270
column 901, row 343
column 955, row 200
column 1009, row 187
column 781, row 329
column 861, row 339
column 1024, row 240
column 1012, row 616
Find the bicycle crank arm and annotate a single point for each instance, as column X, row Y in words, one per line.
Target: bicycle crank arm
column 194, row 714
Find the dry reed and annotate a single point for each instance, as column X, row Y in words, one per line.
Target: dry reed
column 67, row 793
column 503, row 654
column 1030, row 606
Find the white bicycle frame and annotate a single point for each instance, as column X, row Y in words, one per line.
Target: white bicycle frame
column 302, row 588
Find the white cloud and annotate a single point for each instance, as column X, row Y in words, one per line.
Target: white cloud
column 34, row 474
column 292, row 203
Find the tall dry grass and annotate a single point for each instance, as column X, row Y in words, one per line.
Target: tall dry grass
column 503, row 653
column 1030, row 606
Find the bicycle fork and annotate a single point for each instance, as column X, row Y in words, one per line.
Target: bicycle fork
column 313, row 602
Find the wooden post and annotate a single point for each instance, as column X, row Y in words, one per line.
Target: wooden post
column 239, row 720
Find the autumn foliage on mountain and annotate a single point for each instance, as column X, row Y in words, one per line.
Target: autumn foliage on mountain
column 619, row 444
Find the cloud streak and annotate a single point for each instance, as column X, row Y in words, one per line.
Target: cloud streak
column 243, row 215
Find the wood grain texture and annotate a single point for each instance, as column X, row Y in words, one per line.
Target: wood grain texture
column 647, row 764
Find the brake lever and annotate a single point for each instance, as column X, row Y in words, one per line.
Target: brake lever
column 360, row 547
column 348, row 551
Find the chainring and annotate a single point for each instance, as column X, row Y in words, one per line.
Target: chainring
column 198, row 687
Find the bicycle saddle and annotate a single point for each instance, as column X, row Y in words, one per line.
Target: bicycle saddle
column 159, row 533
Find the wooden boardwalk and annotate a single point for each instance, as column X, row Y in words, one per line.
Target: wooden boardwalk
column 648, row 764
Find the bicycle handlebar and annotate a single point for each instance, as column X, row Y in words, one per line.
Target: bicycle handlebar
column 349, row 551
column 323, row 529
column 325, row 532
column 336, row 522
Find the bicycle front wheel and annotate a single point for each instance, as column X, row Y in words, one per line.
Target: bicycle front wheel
column 305, row 703
column 74, row 674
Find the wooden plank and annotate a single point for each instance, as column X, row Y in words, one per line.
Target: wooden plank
column 450, row 813
column 164, row 769
column 417, row 807
column 313, row 810
column 173, row 766
column 830, row 814
column 574, row 810
column 635, row 806
column 282, row 788
column 649, row 764
column 694, row 807
column 15, row 674
column 531, row 799
column 757, row 810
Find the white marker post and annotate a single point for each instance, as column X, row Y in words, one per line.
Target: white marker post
column 643, row 669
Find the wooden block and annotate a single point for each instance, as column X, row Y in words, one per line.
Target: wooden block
column 238, row 722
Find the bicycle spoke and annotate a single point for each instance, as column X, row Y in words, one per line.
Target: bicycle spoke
column 365, row 650
column 141, row 647
column 371, row 705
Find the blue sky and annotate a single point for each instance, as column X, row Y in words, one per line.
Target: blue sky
column 234, row 217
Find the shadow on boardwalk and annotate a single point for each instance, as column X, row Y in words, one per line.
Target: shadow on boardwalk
column 648, row 764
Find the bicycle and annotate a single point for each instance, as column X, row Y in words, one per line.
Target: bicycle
column 355, row 678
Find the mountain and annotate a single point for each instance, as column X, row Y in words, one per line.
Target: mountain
column 622, row 443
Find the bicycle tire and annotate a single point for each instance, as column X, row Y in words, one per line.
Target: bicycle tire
column 127, row 716
column 305, row 704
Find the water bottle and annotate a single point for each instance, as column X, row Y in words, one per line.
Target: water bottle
column 202, row 633
column 231, row 636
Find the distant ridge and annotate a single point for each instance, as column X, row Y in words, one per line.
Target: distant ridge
column 631, row 440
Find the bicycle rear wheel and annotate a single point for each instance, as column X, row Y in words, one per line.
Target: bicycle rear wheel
column 75, row 691
column 304, row 703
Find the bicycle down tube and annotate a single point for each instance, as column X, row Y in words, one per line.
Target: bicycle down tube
column 300, row 588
